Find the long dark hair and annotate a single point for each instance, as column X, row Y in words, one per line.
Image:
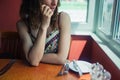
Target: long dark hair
column 30, row 13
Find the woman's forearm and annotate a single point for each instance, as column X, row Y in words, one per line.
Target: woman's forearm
column 53, row 58
column 36, row 52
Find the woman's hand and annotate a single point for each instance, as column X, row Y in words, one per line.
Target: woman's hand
column 47, row 13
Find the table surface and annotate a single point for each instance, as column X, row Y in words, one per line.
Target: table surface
column 21, row 71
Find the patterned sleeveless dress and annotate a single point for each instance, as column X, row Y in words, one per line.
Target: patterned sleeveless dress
column 52, row 40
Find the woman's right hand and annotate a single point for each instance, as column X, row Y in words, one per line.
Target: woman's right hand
column 46, row 16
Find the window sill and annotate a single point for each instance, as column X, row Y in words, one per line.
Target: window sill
column 105, row 48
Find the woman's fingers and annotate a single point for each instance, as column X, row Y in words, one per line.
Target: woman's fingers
column 46, row 11
column 51, row 13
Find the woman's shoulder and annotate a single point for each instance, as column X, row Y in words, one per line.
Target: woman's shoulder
column 64, row 19
column 63, row 14
column 20, row 24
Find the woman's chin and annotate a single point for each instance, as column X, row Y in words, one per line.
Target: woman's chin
column 53, row 10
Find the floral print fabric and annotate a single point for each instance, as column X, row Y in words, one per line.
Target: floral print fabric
column 52, row 42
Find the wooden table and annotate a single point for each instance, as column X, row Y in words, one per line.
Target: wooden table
column 21, row 71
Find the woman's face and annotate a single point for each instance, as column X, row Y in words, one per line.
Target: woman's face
column 51, row 3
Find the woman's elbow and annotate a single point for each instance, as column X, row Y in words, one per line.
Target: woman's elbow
column 62, row 60
column 34, row 63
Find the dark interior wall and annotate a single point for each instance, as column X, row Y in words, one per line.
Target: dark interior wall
column 9, row 14
column 98, row 55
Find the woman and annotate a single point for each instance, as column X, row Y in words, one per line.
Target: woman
column 45, row 33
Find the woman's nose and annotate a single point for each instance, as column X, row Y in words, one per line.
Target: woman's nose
column 54, row 2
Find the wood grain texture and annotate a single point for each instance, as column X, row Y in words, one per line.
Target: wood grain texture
column 21, row 71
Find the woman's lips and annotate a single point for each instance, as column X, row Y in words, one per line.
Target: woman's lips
column 52, row 9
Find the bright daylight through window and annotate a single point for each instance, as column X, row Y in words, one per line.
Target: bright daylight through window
column 75, row 8
column 116, row 34
column 109, row 24
column 107, row 16
column 81, row 13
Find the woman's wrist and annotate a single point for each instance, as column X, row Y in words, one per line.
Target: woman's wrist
column 43, row 28
column 42, row 31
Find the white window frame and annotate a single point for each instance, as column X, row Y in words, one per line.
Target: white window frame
column 88, row 26
column 106, row 27
column 77, row 28
column 116, row 32
column 107, row 39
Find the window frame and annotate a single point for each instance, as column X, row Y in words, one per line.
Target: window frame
column 117, row 22
column 76, row 28
column 101, row 26
column 107, row 39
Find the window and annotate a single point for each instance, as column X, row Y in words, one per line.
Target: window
column 116, row 33
column 81, row 14
column 74, row 7
column 109, row 24
column 107, row 16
